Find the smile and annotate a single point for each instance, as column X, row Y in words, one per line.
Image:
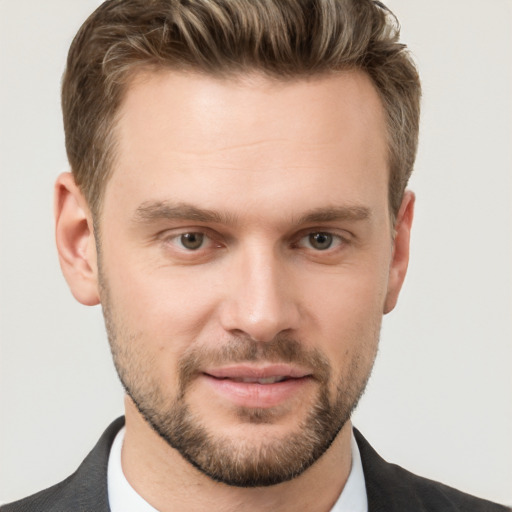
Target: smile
column 267, row 374
column 264, row 380
column 257, row 387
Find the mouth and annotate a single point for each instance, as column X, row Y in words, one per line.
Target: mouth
column 257, row 387
column 263, row 380
column 251, row 372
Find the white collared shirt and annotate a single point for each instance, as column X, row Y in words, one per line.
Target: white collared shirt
column 122, row 496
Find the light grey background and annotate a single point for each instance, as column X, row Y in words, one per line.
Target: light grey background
column 440, row 399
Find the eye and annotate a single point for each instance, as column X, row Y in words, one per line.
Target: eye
column 320, row 241
column 191, row 247
column 191, row 241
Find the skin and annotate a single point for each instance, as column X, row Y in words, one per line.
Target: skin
column 263, row 155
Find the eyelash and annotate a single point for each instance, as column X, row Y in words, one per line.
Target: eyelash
column 335, row 240
column 175, row 240
column 302, row 241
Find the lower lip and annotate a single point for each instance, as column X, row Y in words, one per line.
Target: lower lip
column 249, row 394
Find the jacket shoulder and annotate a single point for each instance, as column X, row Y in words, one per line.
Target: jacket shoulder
column 53, row 499
column 436, row 496
column 392, row 488
column 83, row 491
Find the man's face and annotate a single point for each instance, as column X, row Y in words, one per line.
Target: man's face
column 245, row 252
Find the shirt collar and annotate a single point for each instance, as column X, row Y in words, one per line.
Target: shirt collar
column 122, row 496
column 353, row 498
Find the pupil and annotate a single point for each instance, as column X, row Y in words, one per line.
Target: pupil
column 320, row 241
column 192, row 240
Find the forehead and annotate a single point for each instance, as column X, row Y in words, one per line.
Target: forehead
column 248, row 137
column 253, row 104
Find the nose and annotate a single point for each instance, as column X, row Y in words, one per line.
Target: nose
column 260, row 300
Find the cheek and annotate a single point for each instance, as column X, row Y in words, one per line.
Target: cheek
column 345, row 312
column 161, row 305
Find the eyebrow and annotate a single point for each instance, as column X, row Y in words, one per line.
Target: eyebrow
column 163, row 210
column 149, row 212
column 335, row 213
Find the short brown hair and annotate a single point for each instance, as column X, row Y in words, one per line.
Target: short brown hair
column 284, row 39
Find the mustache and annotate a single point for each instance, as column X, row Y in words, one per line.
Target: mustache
column 243, row 349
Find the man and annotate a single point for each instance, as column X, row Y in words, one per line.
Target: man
column 238, row 207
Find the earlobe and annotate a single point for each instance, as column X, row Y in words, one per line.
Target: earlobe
column 400, row 255
column 74, row 235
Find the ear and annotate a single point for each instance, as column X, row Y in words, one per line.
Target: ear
column 74, row 235
column 400, row 255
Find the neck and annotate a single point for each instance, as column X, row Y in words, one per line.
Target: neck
column 168, row 482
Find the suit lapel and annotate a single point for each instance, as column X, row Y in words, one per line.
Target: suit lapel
column 387, row 486
column 87, row 487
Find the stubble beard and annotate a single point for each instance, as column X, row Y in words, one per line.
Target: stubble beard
column 237, row 462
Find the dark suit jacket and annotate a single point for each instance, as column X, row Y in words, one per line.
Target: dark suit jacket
column 390, row 488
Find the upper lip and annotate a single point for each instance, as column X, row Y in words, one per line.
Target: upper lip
column 258, row 372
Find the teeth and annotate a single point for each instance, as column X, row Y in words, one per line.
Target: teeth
column 254, row 380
